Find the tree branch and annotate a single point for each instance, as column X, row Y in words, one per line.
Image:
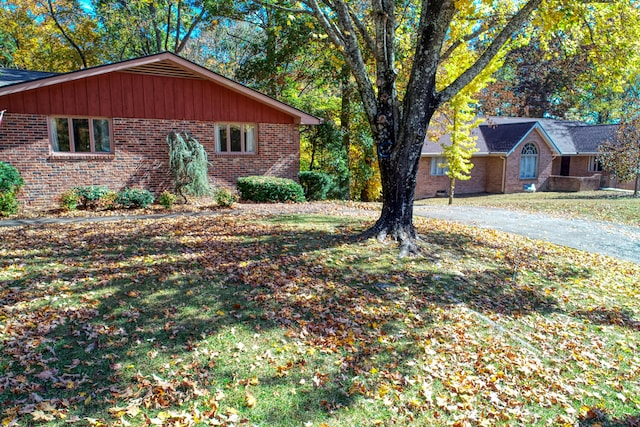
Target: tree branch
column 490, row 53
column 197, row 20
column 447, row 53
column 363, row 33
column 343, row 35
column 67, row 36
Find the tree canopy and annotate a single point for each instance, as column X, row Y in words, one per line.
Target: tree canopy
column 409, row 58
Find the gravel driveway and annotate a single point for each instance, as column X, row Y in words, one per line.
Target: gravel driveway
column 618, row 241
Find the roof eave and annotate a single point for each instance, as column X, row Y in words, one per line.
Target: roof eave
column 299, row 116
column 544, row 135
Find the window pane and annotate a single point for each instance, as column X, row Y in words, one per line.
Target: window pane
column 221, row 138
column 60, row 135
column 250, row 138
column 81, row 138
column 101, row 136
column 437, row 168
column 236, row 138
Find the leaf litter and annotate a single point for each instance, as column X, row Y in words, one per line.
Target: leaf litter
column 240, row 319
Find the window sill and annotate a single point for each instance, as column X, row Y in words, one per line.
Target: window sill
column 56, row 157
column 235, row 153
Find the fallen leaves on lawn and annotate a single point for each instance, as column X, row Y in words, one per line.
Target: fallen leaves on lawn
column 116, row 325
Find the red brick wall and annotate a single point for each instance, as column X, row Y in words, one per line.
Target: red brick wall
column 486, row 176
column 140, row 158
column 427, row 185
column 513, row 183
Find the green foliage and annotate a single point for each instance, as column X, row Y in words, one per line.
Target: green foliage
column 90, row 195
column 188, row 165
column 10, row 184
column 458, row 119
column 69, row 200
column 10, row 179
column 270, row 189
column 108, row 201
column 621, row 156
column 317, row 185
column 8, row 203
column 224, row 197
column 132, row 198
column 167, row 199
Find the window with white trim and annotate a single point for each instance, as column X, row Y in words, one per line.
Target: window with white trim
column 594, row 164
column 529, row 162
column 235, row 138
column 439, row 166
column 81, row 135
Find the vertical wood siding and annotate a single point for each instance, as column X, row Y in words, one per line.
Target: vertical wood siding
column 131, row 95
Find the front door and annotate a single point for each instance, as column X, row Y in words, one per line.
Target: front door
column 565, row 165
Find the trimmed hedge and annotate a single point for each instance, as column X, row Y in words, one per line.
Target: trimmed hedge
column 317, row 185
column 270, row 189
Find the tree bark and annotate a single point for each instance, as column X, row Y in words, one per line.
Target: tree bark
column 73, row 44
column 452, row 189
column 399, row 129
column 345, row 117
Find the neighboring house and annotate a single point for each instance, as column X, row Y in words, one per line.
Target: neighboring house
column 520, row 154
column 107, row 126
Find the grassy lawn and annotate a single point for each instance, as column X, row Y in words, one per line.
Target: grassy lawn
column 611, row 206
column 288, row 320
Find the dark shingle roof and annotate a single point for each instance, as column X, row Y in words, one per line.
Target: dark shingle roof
column 587, row 138
column 502, row 134
column 11, row 76
column 503, row 138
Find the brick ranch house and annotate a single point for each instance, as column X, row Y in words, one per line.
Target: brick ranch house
column 107, row 126
column 518, row 154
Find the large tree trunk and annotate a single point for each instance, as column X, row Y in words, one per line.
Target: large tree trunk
column 396, row 218
column 398, row 172
column 399, row 130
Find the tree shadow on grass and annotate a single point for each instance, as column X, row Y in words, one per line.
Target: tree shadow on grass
column 158, row 290
column 598, row 417
column 609, row 317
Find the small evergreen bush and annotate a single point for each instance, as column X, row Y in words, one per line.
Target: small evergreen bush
column 316, row 184
column 131, row 198
column 90, row 195
column 224, row 197
column 167, row 199
column 10, row 179
column 10, row 184
column 270, row 189
column 69, row 200
column 8, row 203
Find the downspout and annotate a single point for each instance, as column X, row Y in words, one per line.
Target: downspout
column 504, row 173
